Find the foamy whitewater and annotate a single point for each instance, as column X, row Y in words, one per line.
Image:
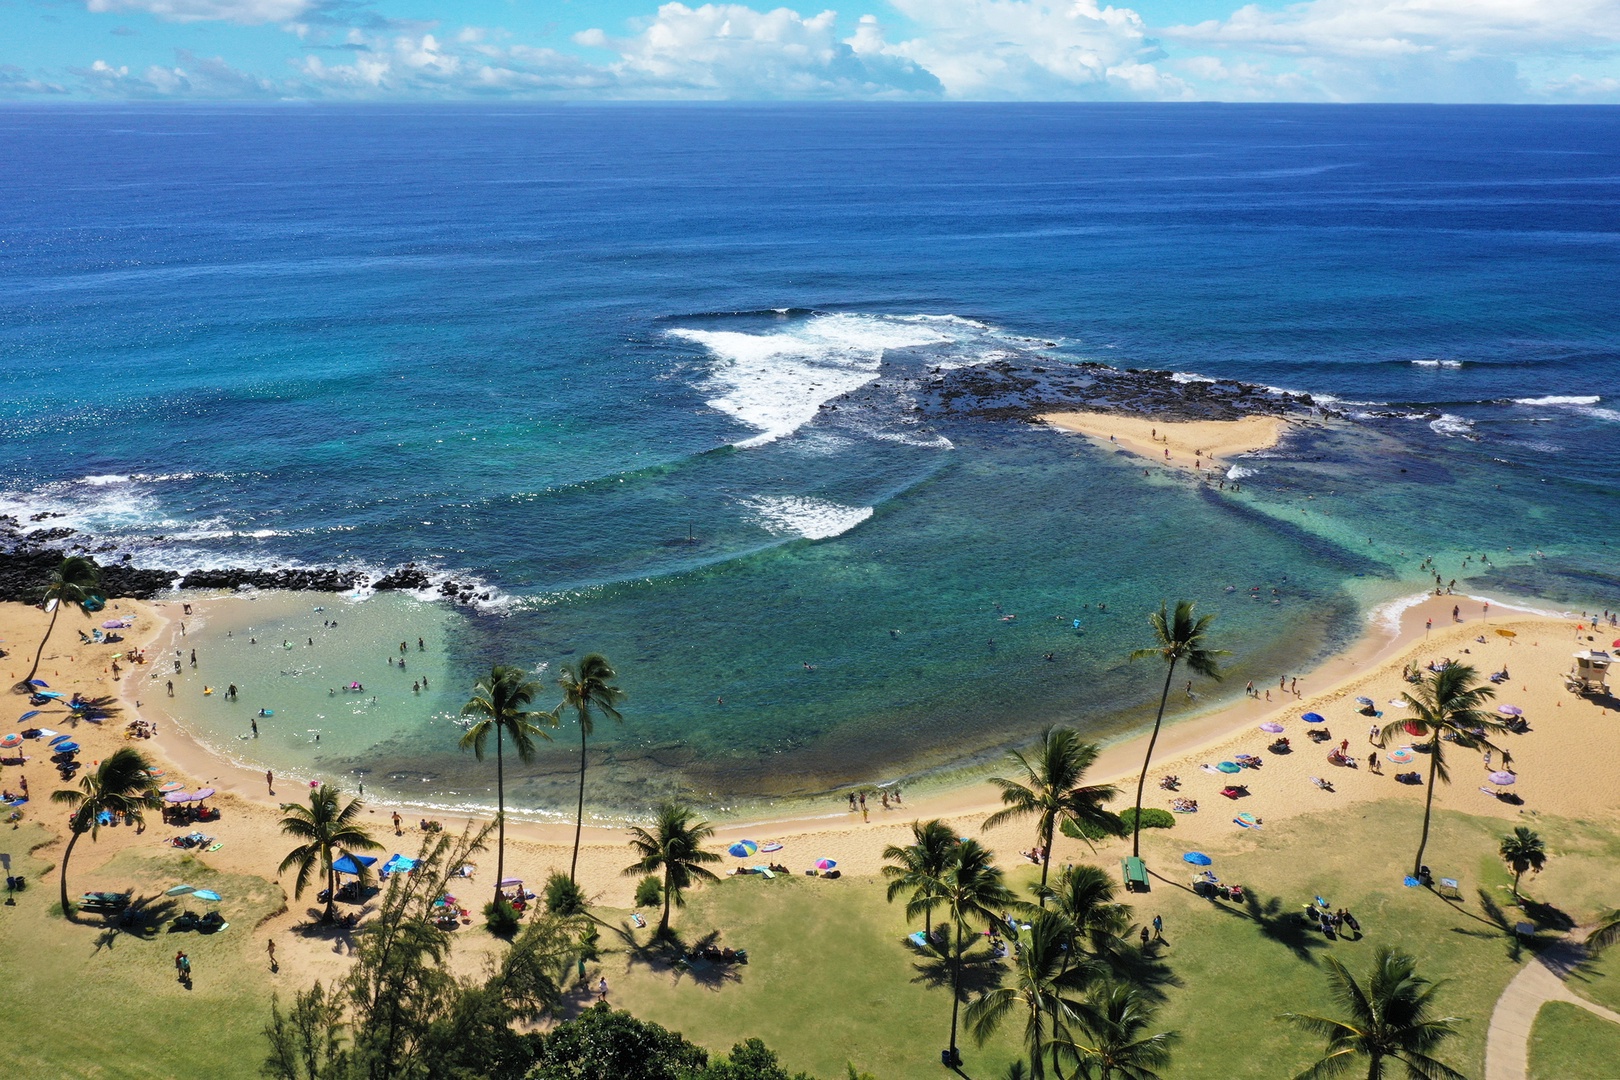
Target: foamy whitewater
column 665, row 411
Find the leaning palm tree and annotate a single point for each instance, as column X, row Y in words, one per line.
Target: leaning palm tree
column 327, row 828
column 1606, row 933
column 1448, row 705
column 1053, row 789
column 587, row 687
column 498, row 702
column 1388, row 1020
column 1180, row 638
column 1522, row 850
column 1112, row 1044
column 673, row 847
column 121, row 784
column 919, row 869
column 74, row 582
column 973, row 892
column 1046, row 977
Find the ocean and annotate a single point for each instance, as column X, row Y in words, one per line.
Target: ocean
column 580, row 355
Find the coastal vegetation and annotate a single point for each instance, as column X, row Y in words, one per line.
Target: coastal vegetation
column 673, row 847
column 1522, row 850
column 328, row 828
column 73, row 582
column 498, row 706
column 1052, row 790
column 917, row 870
column 587, row 688
column 120, row 787
column 1178, row 638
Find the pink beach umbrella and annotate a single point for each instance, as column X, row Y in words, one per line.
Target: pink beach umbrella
column 1510, row 710
column 1271, row 727
column 825, row 864
column 1502, row 778
column 172, row 785
column 201, row 794
column 177, row 797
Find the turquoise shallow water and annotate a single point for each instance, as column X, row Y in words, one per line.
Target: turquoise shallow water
column 545, row 348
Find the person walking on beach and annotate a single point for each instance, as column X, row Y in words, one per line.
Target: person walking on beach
column 397, row 830
column 270, row 947
column 270, row 781
column 866, row 815
column 601, row 989
column 1428, row 625
column 1372, row 734
column 1249, row 690
column 852, row 802
column 253, row 723
column 1293, row 686
column 1372, row 764
column 170, row 685
column 1158, row 928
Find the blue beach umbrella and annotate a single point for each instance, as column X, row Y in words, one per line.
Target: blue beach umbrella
column 179, row 890
column 742, row 849
column 205, row 894
column 1314, row 718
column 29, row 715
column 1229, row 767
column 1197, row 858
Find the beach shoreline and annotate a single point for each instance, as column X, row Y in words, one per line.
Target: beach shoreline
column 1200, row 446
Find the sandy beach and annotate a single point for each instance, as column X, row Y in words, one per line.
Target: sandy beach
column 1563, row 763
column 1194, row 445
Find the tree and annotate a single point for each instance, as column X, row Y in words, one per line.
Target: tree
column 1522, row 850
column 1045, row 969
column 673, row 847
column 587, row 688
column 498, row 702
column 1085, row 896
column 604, row 1044
column 121, row 784
column 74, row 582
column 1113, row 1046
column 1606, row 933
column 919, row 868
column 1054, row 791
column 1447, row 703
column 327, row 829
column 1180, row 638
column 1388, row 1020
column 973, row 891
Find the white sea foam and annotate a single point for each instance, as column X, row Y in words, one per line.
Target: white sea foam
column 1387, row 616
column 776, row 381
column 1439, row 363
column 1558, row 399
column 1189, row 377
column 1238, row 472
column 813, row 519
column 1452, row 426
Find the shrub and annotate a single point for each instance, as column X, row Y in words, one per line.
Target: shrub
column 501, row 918
column 1152, row 818
column 649, row 892
column 563, row 895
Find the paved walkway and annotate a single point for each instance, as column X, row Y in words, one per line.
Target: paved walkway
column 1507, row 1044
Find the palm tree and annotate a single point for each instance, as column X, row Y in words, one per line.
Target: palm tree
column 327, row 829
column 587, row 687
column 1522, row 850
column 1113, row 1046
column 74, row 582
column 674, row 846
column 1085, row 896
column 920, row 868
column 121, row 784
column 1388, row 1020
column 498, row 701
column 1054, row 791
column 1180, row 638
column 973, row 891
column 1448, row 703
column 1606, row 933
column 1044, row 970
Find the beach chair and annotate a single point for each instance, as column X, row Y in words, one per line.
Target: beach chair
column 1135, row 871
column 1449, row 889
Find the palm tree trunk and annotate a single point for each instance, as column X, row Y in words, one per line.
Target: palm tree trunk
column 1517, row 874
column 663, row 924
column 26, row 679
column 579, row 816
column 500, row 815
column 1428, row 803
column 1037, row 1057
column 1046, row 862
column 67, row 854
column 1141, row 781
column 331, row 888
column 1375, row 1071
column 956, row 989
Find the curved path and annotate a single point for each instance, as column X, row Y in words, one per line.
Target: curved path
column 1507, row 1043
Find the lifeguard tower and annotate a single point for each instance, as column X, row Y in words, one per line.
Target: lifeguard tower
column 1590, row 673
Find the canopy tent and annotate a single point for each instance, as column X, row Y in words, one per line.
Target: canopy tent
column 353, row 864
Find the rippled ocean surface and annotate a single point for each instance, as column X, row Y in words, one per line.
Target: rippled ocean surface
column 580, row 354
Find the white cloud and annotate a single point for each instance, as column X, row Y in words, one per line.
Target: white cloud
column 238, row 11
column 730, row 50
column 208, row 78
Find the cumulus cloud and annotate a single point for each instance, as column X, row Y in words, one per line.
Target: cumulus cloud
column 15, row 80
column 462, row 64
column 208, row 78
column 730, row 50
column 238, row 11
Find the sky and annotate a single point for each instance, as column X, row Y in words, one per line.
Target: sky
column 1482, row 51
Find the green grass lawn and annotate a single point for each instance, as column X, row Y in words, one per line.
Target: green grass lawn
column 89, row 1001
column 1569, row 1043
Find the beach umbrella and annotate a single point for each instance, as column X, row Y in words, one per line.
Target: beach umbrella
column 1314, row 718
column 202, row 794
column 29, row 715
column 60, row 738
column 1401, row 756
column 206, row 894
column 352, row 864
column 507, row 883
column 825, row 864
column 1197, row 858
column 1398, row 703
column 179, row 890
column 1364, row 701
column 1510, row 710
column 177, row 797
column 67, row 748
column 38, row 682
column 172, row 785
column 11, row 740
column 1229, row 767
column 1502, row 778
column 742, row 849
column 1412, row 727
column 1505, row 633
column 1271, row 726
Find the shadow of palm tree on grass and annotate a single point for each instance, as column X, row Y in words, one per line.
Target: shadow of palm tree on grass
column 981, row 970
column 143, row 919
column 1278, row 923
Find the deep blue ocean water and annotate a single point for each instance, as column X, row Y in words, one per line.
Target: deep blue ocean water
column 543, row 346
